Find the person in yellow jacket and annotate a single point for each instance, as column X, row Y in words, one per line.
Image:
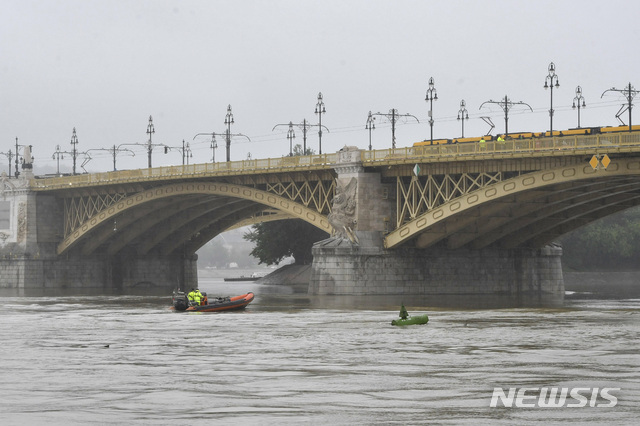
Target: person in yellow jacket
column 198, row 297
column 195, row 296
column 483, row 144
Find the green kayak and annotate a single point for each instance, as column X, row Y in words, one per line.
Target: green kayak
column 405, row 319
column 420, row 319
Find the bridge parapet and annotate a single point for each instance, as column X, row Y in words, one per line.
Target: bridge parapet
column 511, row 148
column 203, row 170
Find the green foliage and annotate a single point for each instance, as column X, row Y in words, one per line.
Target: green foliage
column 611, row 243
column 279, row 239
column 297, row 151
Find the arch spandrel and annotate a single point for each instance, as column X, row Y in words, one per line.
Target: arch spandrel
column 498, row 191
column 268, row 199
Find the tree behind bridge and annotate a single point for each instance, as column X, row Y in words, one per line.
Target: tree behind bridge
column 283, row 238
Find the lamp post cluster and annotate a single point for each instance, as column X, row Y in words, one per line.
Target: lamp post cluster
column 228, row 136
column 393, row 116
column 305, row 125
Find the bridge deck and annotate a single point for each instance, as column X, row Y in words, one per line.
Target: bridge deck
column 627, row 142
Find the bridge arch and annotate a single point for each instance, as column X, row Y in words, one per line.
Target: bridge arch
column 529, row 210
column 199, row 202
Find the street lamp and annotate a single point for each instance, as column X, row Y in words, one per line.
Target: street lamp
column 17, row 173
column 432, row 95
column 291, row 136
column 58, row 155
column 74, row 151
column 371, row 125
column 463, row 114
column 9, row 155
column 214, row 145
column 228, row 121
column 578, row 102
column 320, row 110
column 304, row 126
column 550, row 81
column 150, row 131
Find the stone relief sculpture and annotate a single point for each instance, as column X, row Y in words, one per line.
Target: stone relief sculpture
column 5, row 185
column 22, row 222
column 343, row 210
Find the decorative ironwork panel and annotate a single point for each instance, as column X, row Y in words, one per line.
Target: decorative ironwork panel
column 416, row 196
column 78, row 210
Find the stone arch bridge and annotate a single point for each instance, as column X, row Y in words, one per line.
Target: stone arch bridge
column 399, row 217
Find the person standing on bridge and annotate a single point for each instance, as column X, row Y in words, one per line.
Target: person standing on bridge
column 483, row 144
column 500, row 142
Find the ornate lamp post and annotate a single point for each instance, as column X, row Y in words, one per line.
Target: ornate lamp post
column 150, row 131
column 291, row 135
column 58, row 155
column 371, row 125
column 9, row 156
column 550, row 81
column 74, row 150
column 214, row 145
column 228, row 121
column 432, row 95
column 463, row 114
column 320, row 110
column 578, row 101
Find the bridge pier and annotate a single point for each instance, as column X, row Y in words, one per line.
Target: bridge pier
column 354, row 261
column 519, row 276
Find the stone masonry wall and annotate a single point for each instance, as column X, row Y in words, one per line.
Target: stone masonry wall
column 340, row 267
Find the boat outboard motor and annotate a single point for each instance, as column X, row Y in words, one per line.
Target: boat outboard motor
column 180, row 301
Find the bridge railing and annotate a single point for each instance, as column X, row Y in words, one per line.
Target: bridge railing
column 323, row 161
column 509, row 148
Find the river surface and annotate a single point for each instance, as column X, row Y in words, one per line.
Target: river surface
column 292, row 359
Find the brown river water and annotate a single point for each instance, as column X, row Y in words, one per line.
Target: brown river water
column 294, row 359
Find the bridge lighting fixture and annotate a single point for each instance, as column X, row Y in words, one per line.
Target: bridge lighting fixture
column 150, row 131
column 463, row 114
column 56, row 155
column 74, row 151
column 550, row 81
column 432, row 95
column 9, row 156
column 320, row 109
column 291, row 136
column 228, row 121
column 578, row 102
column 304, row 126
column 371, row 125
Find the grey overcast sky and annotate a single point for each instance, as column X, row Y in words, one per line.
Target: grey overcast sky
column 105, row 66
